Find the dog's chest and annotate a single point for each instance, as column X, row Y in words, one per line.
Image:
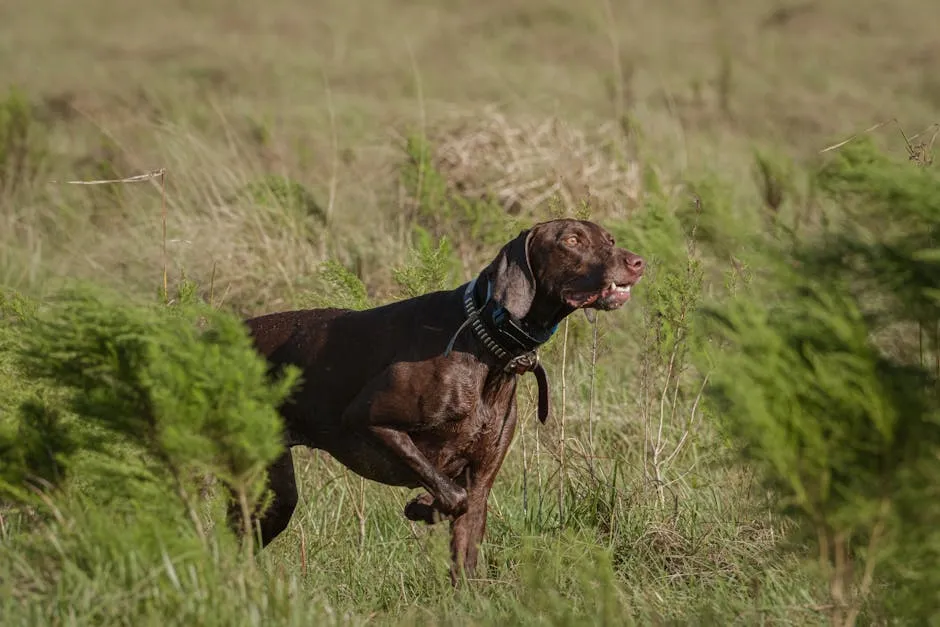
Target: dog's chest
column 457, row 411
column 452, row 445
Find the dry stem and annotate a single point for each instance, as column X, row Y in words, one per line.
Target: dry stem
column 591, row 451
column 562, row 465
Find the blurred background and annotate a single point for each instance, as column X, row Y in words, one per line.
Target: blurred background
column 325, row 93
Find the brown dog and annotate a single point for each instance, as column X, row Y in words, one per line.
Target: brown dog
column 422, row 392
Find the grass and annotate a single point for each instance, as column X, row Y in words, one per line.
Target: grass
column 290, row 136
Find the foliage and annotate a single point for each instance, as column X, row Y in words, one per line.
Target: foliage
column 184, row 384
column 656, row 232
column 22, row 142
column 845, row 433
column 286, row 193
column 776, row 182
column 117, row 415
column 33, row 441
column 443, row 209
column 430, row 269
column 113, row 544
column 715, row 211
column 335, row 286
column 888, row 242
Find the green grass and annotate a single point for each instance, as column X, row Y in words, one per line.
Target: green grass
column 290, row 133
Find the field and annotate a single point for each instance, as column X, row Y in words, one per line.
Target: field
column 311, row 153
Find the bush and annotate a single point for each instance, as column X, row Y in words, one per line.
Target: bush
column 846, row 432
column 443, row 210
column 335, row 286
column 127, row 408
column 431, row 267
column 183, row 385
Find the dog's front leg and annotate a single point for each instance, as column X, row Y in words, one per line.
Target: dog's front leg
column 449, row 497
column 467, row 530
column 466, row 534
column 376, row 441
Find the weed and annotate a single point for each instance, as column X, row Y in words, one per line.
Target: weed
column 22, row 143
column 284, row 193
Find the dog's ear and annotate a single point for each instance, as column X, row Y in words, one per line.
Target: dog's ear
column 511, row 276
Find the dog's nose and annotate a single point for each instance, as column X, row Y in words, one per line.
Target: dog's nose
column 636, row 263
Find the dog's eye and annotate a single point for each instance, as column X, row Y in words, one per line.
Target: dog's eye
column 571, row 240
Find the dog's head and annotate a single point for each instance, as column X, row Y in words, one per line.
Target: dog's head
column 563, row 265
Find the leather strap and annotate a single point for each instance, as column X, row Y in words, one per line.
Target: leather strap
column 542, row 379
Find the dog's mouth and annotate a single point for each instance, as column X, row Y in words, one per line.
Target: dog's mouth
column 611, row 296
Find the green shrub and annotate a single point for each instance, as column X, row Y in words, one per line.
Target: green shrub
column 887, row 245
column 182, row 384
column 845, row 432
column 335, row 286
column 722, row 222
column 431, row 267
column 22, row 142
column 121, row 412
column 33, row 440
column 655, row 232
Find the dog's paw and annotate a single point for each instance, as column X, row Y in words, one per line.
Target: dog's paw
column 453, row 502
column 421, row 509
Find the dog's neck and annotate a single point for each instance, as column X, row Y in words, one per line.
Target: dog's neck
column 504, row 335
column 513, row 342
column 547, row 312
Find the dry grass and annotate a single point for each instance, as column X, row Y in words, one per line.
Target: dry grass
column 523, row 163
column 576, row 99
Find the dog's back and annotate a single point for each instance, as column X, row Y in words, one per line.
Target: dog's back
column 272, row 331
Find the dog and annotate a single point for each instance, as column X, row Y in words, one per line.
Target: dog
column 422, row 392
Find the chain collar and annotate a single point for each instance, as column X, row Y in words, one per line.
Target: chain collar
column 490, row 321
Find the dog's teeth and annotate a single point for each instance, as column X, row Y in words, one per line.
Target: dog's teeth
column 613, row 285
column 627, row 289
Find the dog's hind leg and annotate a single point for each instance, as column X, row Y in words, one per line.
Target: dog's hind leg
column 277, row 515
